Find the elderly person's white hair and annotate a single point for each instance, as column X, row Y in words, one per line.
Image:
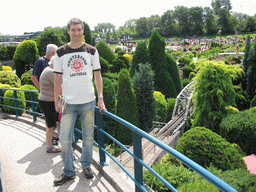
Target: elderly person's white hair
column 51, row 48
column 52, row 61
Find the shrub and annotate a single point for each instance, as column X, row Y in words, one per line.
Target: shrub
column 7, row 68
column 118, row 64
column 104, row 65
column 126, row 107
column 26, row 78
column 240, row 128
column 11, row 50
column 121, row 52
column 128, row 57
column 141, row 55
column 191, row 76
column 186, row 71
column 174, row 175
column 174, row 72
column 184, row 61
column 253, row 102
column 198, row 185
column 190, row 55
column 105, row 51
column 3, row 52
column 25, row 56
column 198, row 54
column 144, row 87
column 170, row 106
column 4, row 86
column 10, row 102
column 117, row 49
column 9, row 77
column 1, row 67
column 213, row 91
column 168, row 158
column 185, row 82
column 208, row 148
column 161, row 106
column 28, row 94
column 157, row 58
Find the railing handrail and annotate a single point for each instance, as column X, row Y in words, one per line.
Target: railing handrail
column 190, row 163
column 138, row 158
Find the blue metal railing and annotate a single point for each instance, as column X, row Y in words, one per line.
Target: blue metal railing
column 138, row 134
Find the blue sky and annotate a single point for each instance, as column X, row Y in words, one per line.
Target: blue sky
column 18, row 17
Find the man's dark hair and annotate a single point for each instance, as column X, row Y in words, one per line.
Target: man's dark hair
column 74, row 21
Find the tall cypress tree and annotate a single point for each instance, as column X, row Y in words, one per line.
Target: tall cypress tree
column 157, row 59
column 251, row 72
column 87, row 33
column 140, row 56
column 246, row 62
column 143, row 84
column 126, row 107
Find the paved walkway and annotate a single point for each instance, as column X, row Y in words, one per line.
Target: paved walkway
column 27, row 167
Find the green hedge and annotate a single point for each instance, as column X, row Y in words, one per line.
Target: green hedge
column 240, row 128
column 11, row 102
column 26, row 78
column 208, row 148
column 161, row 106
column 28, row 94
column 105, row 51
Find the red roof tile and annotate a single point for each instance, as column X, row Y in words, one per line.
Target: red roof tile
column 251, row 163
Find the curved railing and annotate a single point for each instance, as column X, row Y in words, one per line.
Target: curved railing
column 138, row 134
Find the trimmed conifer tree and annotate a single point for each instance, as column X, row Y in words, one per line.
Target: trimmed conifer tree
column 157, row 59
column 105, row 51
column 143, row 84
column 140, row 56
column 126, row 107
column 174, row 72
column 251, row 72
column 246, row 62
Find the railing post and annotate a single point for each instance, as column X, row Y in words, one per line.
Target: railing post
column 138, row 169
column 16, row 103
column 33, row 106
column 101, row 142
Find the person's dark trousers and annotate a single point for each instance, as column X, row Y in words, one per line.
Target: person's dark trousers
column 1, row 188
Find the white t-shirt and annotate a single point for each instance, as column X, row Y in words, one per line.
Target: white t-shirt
column 76, row 67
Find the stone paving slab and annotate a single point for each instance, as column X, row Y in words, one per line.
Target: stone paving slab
column 27, row 167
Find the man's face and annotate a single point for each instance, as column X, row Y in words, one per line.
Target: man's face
column 76, row 32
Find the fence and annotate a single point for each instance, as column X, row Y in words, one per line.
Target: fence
column 138, row 134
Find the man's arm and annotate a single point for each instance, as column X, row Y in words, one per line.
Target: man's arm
column 35, row 81
column 57, row 88
column 98, row 82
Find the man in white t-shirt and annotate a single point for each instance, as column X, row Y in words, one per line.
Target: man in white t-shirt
column 76, row 63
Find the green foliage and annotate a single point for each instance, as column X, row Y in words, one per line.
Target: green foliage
column 25, row 56
column 240, row 128
column 105, row 51
column 1, row 67
column 121, row 52
column 118, row 64
column 170, row 106
column 253, row 102
column 104, row 65
column 213, row 91
column 49, row 36
column 126, row 107
column 9, row 77
column 140, row 56
column 185, row 82
column 198, row 185
column 3, row 52
column 174, row 175
column 191, row 76
column 163, row 81
column 208, row 148
column 10, row 102
column 7, row 68
column 169, row 159
column 184, row 61
column 11, row 50
column 174, row 71
column 117, row 49
column 144, row 87
column 251, row 72
column 4, row 86
column 26, row 78
column 87, row 34
column 28, row 94
column 186, row 71
column 161, row 106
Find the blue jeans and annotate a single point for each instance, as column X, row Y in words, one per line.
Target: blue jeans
column 86, row 112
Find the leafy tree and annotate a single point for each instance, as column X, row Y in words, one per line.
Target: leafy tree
column 141, row 27
column 49, row 35
column 251, row 72
column 87, row 33
column 210, row 22
column 213, row 91
column 168, row 23
column 140, row 56
column 105, row 51
column 126, row 107
column 157, row 59
column 182, row 15
column 223, row 20
column 250, row 24
column 218, row 4
column 25, row 56
column 196, row 20
column 143, row 84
